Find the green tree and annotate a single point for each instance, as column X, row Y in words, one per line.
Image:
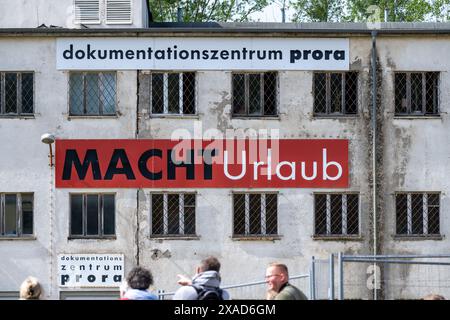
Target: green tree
column 205, row 10
column 398, row 10
column 317, row 10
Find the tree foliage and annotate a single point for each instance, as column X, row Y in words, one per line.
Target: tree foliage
column 371, row 10
column 205, row 10
column 317, row 10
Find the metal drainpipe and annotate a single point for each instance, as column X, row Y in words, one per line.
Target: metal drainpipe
column 374, row 154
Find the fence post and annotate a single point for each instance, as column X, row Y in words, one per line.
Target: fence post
column 312, row 279
column 331, row 287
column 341, row 276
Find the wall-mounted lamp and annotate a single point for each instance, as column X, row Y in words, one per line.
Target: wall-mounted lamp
column 49, row 139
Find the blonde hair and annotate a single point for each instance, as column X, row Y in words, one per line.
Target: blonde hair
column 281, row 266
column 30, row 289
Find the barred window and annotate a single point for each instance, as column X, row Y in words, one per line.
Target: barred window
column 16, row 214
column 172, row 93
column 92, row 215
column 417, row 213
column 335, row 93
column 173, row 214
column 255, row 214
column 92, row 93
column 16, row 93
column 255, row 94
column 336, row 214
column 417, row 93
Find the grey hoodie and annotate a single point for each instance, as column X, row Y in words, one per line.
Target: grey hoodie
column 207, row 279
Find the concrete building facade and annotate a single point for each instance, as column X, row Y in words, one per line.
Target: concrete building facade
column 410, row 167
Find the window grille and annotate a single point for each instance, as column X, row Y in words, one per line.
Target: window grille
column 87, row 11
column 255, row 214
column 173, row 214
column 118, row 11
column 335, row 93
column 417, row 213
column 173, row 93
column 92, row 215
column 255, row 94
column 16, row 214
column 417, row 93
column 92, row 93
column 16, row 93
column 336, row 214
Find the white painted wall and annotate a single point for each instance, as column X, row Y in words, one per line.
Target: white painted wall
column 24, row 166
column 60, row 13
column 416, row 159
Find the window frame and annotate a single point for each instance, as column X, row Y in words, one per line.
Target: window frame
column 100, row 213
column 165, row 94
column 100, row 107
column 342, row 235
column 19, row 216
column 247, row 114
column 423, row 113
column 166, row 235
column 409, row 221
column 343, row 112
column 19, row 96
column 251, row 236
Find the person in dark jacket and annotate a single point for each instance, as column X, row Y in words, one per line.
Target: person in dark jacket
column 139, row 281
column 277, row 278
column 207, row 278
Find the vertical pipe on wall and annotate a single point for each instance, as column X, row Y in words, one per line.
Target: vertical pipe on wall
column 374, row 154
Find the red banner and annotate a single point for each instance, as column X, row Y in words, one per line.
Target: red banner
column 259, row 163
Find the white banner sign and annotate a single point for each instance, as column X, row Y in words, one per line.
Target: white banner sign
column 90, row 270
column 202, row 54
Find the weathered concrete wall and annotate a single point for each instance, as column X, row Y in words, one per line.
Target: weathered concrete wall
column 60, row 13
column 245, row 261
column 416, row 156
column 26, row 167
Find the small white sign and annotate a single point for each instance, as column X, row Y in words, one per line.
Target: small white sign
column 202, row 53
column 90, row 270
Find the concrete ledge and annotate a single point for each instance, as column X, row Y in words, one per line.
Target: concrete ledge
column 256, row 238
column 337, row 238
column 17, row 238
column 174, row 237
column 410, row 237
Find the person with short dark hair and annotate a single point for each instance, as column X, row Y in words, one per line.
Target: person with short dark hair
column 204, row 285
column 277, row 278
column 139, row 281
column 30, row 289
